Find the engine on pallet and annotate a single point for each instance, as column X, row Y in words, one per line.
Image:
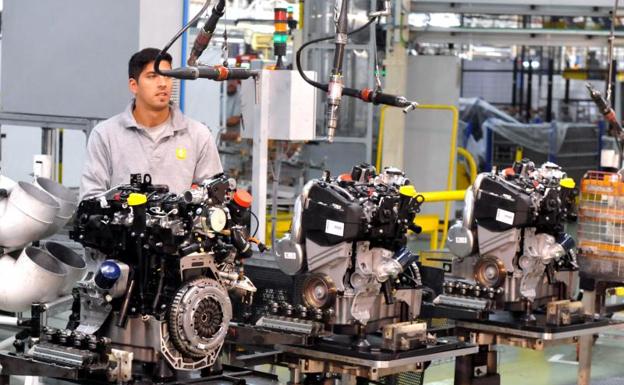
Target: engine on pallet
column 511, row 251
column 171, row 263
column 347, row 253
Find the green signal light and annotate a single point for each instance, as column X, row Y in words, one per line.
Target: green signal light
column 278, row 38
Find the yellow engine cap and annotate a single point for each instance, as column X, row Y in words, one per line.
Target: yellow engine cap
column 408, row 190
column 567, row 183
column 135, row 199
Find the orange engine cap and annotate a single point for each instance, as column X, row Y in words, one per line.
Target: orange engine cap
column 345, row 177
column 243, row 198
column 509, row 171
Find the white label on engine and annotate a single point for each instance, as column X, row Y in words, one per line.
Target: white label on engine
column 334, row 228
column 461, row 239
column 505, row 216
column 290, row 255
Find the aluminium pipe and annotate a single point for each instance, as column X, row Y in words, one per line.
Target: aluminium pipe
column 8, row 321
column 66, row 199
column 7, row 344
column 26, row 215
column 73, row 262
column 35, row 276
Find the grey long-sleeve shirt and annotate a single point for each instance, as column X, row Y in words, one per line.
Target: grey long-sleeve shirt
column 184, row 154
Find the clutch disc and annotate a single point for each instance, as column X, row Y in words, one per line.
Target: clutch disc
column 199, row 316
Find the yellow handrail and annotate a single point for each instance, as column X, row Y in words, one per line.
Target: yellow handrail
column 472, row 165
column 443, row 196
column 452, row 159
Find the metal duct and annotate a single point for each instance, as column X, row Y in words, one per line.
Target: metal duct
column 26, row 216
column 66, row 199
column 72, row 261
column 36, row 276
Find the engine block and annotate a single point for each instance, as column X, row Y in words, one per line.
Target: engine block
column 511, row 249
column 171, row 265
column 347, row 249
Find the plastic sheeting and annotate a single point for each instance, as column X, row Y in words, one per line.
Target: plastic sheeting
column 545, row 138
column 479, row 117
column 475, row 112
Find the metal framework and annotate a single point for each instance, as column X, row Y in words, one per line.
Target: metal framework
column 49, row 121
column 595, row 8
column 513, row 36
column 488, row 335
column 315, row 62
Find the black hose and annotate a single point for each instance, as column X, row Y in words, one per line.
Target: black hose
column 138, row 228
column 161, row 283
column 141, row 274
column 123, row 313
column 316, row 84
column 162, row 53
column 205, row 35
column 341, row 28
column 257, row 223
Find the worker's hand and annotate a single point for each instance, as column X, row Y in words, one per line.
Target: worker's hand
column 231, row 136
column 233, row 121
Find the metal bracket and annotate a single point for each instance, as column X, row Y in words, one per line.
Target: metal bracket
column 121, row 366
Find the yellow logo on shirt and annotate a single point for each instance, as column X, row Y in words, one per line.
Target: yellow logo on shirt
column 181, row 153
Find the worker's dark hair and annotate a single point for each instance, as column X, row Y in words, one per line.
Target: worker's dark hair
column 139, row 60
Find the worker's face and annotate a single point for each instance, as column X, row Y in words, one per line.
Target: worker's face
column 152, row 90
column 232, row 87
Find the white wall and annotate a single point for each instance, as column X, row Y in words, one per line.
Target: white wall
column 431, row 80
column 202, row 96
column 159, row 20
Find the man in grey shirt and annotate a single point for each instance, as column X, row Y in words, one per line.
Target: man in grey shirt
column 150, row 137
column 232, row 112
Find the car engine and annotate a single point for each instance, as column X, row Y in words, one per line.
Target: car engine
column 511, row 251
column 162, row 295
column 347, row 251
